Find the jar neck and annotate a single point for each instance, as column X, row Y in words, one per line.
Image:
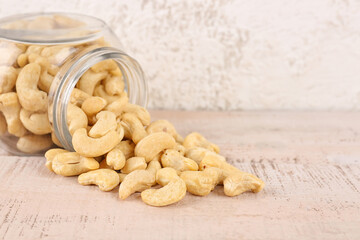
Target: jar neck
column 70, row 73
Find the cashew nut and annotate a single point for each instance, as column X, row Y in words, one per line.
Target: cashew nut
column 141, row 113
column 44, row 63
column 106, row 122
column 171, row 193
column 72, row 164
column 100, row 92
column 78, row 97
column 198, row 153
column 166, row 175
column 197, row 140
column 34, row 143
column 76, row 118
column 122, row 176
column 89, row 80
column 115, row 159
column 37, row 123
column 238, row 183
column 136, row 128
column 127, row 147
column 134, row 163
column 201, row 183
column 164, row 126
column 118, row 105
column 106, row 179
column 10, row 107
column 92, row 105
column 8, row 76
column 22, row 60
column 3, row 124
column 127, row 133
column 136, row 181
column 106, row 65
column 172, row 158
column 30, row 97
column 114, row 85
column 153, row 144
column 94, row 147
column 50, row 155
column 153, row 167
column 45, row 81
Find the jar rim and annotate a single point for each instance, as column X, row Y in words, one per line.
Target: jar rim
column 91, row 30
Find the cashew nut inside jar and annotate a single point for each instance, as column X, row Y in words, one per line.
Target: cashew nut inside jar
column 60, row 73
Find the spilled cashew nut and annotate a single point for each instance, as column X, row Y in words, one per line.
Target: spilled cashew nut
column 106, row 122
column 141, row 113
column 50, row 155
column 136, row 128
column 198, row 154
column 115, row 159
column 73, row 164
column 105, row 179
column 117, row 106
column 166, row 175
column 153, row 144
column 136, row 181
column 127, row 147
column 238, row 183
column 76, row 118
column 134, row 163
column 164, row 126
column 172, row 158
column 197, row 140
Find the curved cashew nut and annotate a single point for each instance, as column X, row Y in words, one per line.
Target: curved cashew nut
column 198, row 153
column 136, row 128
column 172, row 158
column 50, row 155
column 141, row 113
column 171, row 193
column 106, row 65
column 106, row 179
column 78, row 97
column 197, row 140
column 37, row 123
column 30, row 97
column 114, row 85
column 10, row 107
column 136, row 181
column 44, row 63
column 100, row 92
column 94, row 147
column 115, row 159
column 57, row 55
column 8, row 76
column 106, row 122
column 118, row 105
column 236, row 184
column 153, row 167
column 153, row 144
column 89, row 80
column 92, row 105
column 76, row 118
column 201, row 183
column 34, row 143
column 134, row 163
column 72, row 164
column 164, row 126
column 166, row 175
column 127, row 132
column 127, row 147
column 3, row 124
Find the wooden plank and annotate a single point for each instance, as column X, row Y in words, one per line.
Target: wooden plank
column 309, row 161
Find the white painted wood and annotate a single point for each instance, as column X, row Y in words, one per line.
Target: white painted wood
column 309, row 161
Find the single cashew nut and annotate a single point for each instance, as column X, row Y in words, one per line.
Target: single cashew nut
column 127, row 147
column 73, row 164
column 173, row 192
column 136, row 128
column 153, row 144
column 30, row 97
column 22, row 60
column 89, row 80
column 134, row 163
column 45, row 81
column 50, row 155
column 197, row 140
column 106, row 65
column 106, row 122
column 164, row 126
column 141, row 113
column 78, row 97
column 198, row 153
column 153, row 167
column 106, row 179
column 238, row 183
column 201, row 183
column 92, row 105
column 37, row 123
column 136, row 181
column 34, row 143
column 8, row 76
column 94, row 147
column 166, row 175
column 100, row 92
column 10, row 107
column 76, row 118
column 115, row 159
column 114, row 85
column 181, row 149
column 117, row 106
column 172, row 158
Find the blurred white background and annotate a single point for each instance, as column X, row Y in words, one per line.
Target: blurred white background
column 227, row 55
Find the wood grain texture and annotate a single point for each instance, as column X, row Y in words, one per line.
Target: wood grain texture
column 309, row 161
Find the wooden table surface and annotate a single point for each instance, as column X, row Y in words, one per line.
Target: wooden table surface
column 310, row 162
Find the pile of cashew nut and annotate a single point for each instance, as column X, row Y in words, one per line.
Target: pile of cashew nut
column 115, row 141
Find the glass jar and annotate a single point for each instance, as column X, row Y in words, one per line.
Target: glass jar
column 66, row 47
